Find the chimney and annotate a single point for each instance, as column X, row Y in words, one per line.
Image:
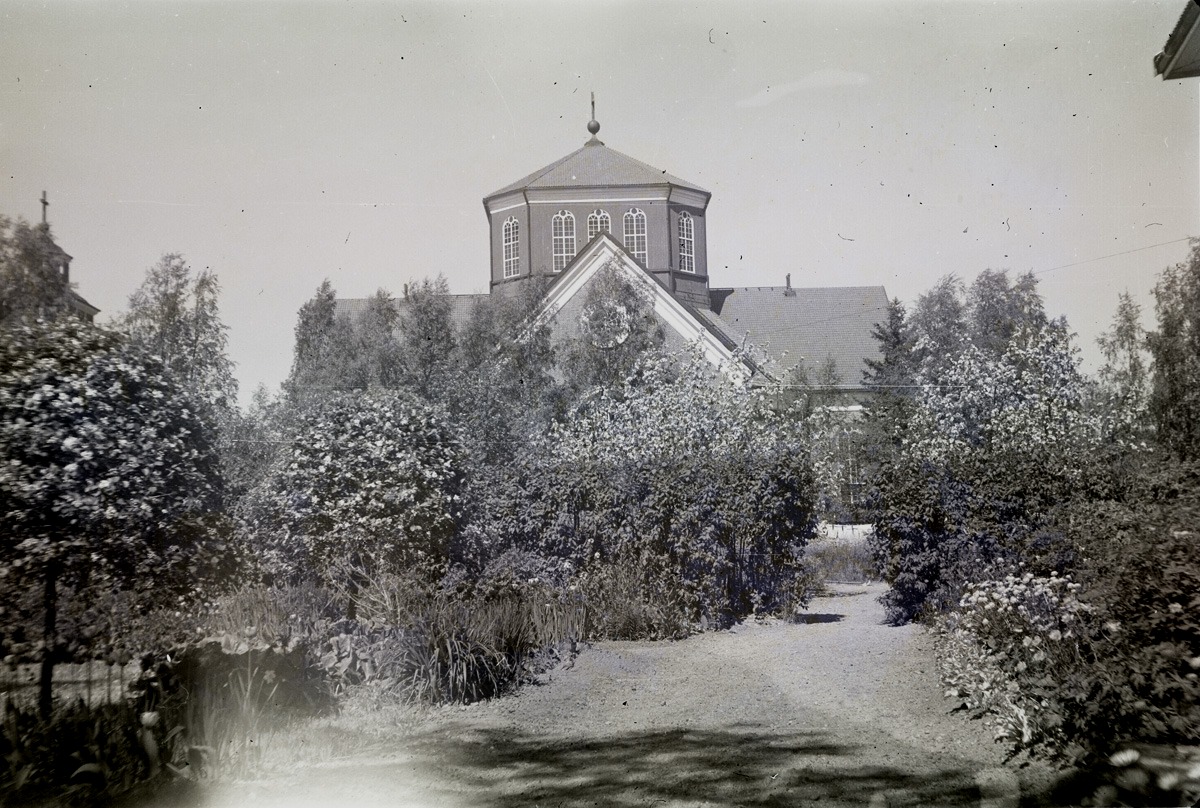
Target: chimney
column 788, row 290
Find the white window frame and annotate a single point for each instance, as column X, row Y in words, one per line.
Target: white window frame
column 687, row 243
column 599, row 221
column 562, row 237
column 634, row 227
column 512, row 247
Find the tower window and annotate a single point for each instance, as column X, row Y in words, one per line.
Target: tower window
column 635, row 233
column 563, row 235
column 512, row 248
column 598, row 222
column 687, row 243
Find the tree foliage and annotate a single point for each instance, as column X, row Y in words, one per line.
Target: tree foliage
column 685, row 479
column 998, row 430
column 427, row 336
column 369, row 483
column 616, row 329
column 174, row 315
column 109, row 471
column 1175, row 347
column 1124, row 379
column 324, row 348
column 32, row 286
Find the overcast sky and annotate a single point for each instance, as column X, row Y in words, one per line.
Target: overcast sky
column 844, row 142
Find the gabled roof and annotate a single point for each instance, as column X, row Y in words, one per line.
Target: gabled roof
column 595, row 165
column 809, row 325
column 602, row 251
column 1180, row 57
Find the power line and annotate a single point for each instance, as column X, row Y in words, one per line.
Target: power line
column 1113, row 255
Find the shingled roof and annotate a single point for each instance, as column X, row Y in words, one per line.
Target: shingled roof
column 809, row 325
column 592, row 165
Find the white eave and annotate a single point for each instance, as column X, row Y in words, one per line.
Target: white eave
column 603, row 251
column 1180, row 56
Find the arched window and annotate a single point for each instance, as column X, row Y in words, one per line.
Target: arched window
column 687, row 243
column 563, row 236
column 512, row 248
column 635, row 233
column 598, row 222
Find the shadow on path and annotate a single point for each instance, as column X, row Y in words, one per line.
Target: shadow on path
column 820, row 618
column 740, row 766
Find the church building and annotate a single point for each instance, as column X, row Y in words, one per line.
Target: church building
column 598, row 208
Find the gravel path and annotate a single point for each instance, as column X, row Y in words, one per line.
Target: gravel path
column 840, row 710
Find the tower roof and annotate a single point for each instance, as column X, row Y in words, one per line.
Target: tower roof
column 592, row 165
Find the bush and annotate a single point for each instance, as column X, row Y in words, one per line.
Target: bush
column 1141, row 574
column 371, row 484
column 636, row 598
column 80, row 754
column 702, row 515
column 995, row 442
column 1002, row 650
column 1080, row 669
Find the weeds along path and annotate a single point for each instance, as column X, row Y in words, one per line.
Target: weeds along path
column 840, row 710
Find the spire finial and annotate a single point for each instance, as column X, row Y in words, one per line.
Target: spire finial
column 45, row 204
column 593, row 124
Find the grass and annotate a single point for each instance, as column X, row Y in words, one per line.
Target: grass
column 840, row 559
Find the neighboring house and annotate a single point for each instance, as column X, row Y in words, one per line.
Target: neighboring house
column 1180, row 57
column 62, row 262
column 599, row 208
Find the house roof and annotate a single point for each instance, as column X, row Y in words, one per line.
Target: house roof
column 592, row 165
column 462, row 308
column 79, row 304
column 1180, row 57
column 810, row 325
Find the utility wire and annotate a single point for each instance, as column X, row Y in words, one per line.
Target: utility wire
column 1113, row 255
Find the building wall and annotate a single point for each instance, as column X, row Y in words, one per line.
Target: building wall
column 535, row 217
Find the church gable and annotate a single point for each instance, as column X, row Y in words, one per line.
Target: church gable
column 566, row 309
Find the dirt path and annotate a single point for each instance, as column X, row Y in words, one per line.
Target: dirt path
column 841, row 710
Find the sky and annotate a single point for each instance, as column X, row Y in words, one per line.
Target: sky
column 845, row 143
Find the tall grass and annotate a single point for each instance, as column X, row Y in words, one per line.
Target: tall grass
column 841, row 560
column 438, row 645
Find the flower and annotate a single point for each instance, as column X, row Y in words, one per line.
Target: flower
column 1056, row 635
column 1175, row 608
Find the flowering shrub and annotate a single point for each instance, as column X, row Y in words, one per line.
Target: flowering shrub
column 1141, row 574
column 994, row 444
column 1003, row 649
column 1078, row 669
column 109, row 477
column 697, row 497
column 370, row 483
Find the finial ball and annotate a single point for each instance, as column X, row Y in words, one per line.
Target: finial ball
column 593, row 126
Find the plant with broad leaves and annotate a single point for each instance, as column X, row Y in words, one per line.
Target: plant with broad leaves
column 369, row 480
column 109, row 474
